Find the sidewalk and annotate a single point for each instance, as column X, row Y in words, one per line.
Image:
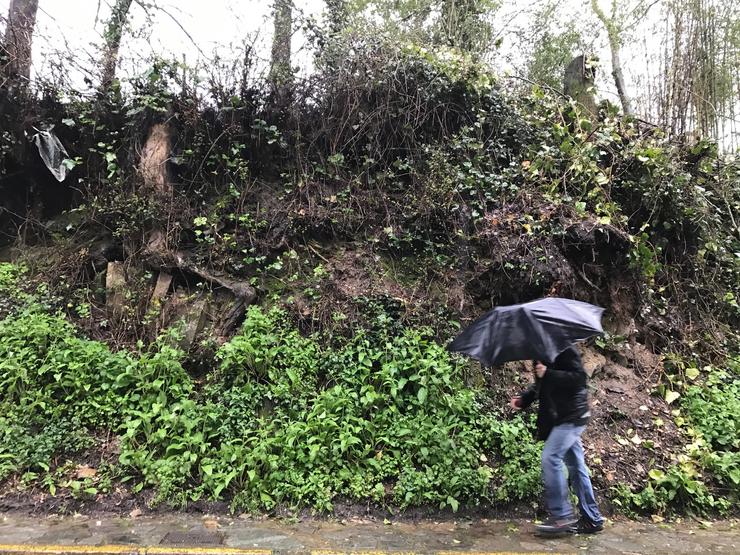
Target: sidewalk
column 192, row 535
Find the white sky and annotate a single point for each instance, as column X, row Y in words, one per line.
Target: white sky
column 74, row 27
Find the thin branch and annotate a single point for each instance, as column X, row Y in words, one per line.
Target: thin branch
column 177, row 22
column 543, row 85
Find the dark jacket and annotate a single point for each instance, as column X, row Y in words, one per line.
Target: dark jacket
column 562, row 394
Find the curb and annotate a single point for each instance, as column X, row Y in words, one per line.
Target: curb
column 142, row 550
column 124, row 550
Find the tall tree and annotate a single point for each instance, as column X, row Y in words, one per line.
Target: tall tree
column 18, row 39
column 614, row 30
column 281, row 73
column 112, row 36
column 699, row 89
column 464, row 24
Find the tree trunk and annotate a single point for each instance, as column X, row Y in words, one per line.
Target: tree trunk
column 619, row 76
column 113, row 34
column 613, row 31
column 448, row 22
column 280, row 70
column 578, row 83
column 19, row 38
column 459, row 24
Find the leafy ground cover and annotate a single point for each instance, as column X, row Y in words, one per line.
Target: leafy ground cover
column 400, row 192
column 280, row 420
column 284, row 421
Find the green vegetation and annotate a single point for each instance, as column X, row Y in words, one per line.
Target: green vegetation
column 402, row 192
column 280, row 421
column 707, row 476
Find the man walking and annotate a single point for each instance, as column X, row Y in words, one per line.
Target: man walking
column 561, row 418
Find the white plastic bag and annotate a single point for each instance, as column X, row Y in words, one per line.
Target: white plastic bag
column 52, row 152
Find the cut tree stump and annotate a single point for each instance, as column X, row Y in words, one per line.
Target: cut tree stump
column 115, row 288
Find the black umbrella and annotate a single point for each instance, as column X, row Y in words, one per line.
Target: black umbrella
column 539, row 330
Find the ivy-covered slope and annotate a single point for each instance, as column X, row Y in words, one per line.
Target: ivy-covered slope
column 369, row 215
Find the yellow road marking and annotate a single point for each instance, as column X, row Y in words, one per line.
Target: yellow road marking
column 125, row 549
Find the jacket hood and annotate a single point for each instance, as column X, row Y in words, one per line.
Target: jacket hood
column 569, row 359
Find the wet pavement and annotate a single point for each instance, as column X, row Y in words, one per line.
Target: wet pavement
column 212, row 534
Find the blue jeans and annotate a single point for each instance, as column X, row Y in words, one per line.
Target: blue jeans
column 563, row 445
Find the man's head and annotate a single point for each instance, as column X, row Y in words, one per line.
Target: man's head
column 569, row 359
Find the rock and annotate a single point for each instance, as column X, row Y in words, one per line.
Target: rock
column 164, row 280
column 593, row 362
column 190, row 314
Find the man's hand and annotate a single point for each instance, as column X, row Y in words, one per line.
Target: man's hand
column 540, row 369
column 514, row 403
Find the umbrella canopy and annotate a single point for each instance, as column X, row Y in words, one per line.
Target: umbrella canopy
column 538, row 330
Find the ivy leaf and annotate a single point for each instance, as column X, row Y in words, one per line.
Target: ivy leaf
column 671, row 396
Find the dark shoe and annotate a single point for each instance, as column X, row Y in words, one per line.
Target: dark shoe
column 555, row 526
column 586, row 526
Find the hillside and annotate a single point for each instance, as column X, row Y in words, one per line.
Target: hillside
column 239, row 297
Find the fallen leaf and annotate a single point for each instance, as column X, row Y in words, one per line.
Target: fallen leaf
column 84, row 471
column 671, row 396
column 135, row 513
column 657, row 518
column 211, row 524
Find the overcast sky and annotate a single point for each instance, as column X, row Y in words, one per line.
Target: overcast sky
column 74, row 28
column 77, row 25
